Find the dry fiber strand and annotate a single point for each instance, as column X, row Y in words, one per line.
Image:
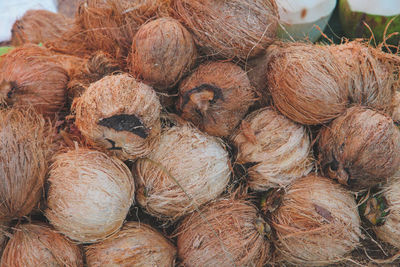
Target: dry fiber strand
column 317, row 223
column 3, row 235
column 396, row 107
column 90, row 194
column 278, row 149
column 135, row 245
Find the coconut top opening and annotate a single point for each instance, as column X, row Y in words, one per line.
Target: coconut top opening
column 306, row 11
column 381, row 8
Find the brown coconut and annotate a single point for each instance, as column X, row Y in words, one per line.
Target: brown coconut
column 256, row 69
column 186, row 169
column 120, row 115
column 396, row 107
column 215, row 97
column 135, row 245
column 4, row 228
column 39, row 26
column 278, row 149
column 37, row 244
column 25, row 150
column 317, row 223
column 227, row 232
column 306, row 83
column 31, row 75
column 90, row 194
column 162, row 52
column 236, row 28
column 361, row 148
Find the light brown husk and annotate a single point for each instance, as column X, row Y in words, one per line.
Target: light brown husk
column 135, row 245
column 396, row 107
column 90, row 194
column 317, row 223
column 37, row 244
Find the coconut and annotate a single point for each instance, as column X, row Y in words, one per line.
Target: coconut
column 306, row 83
column 25, row 149
column 186, row 170
column 317, row 223
column 31, row 75
column 68, row 7
column 37, row 244
column 215, row 97
column 90, row 194
column 227, row 232
column 396, row 107
column 162, row 52
column 120, row 115
column 137, row 244
column 233, row 28
column 38, row 26
column 360, row 148
column 278, row 150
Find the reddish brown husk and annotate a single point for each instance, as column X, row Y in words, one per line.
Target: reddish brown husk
column 135, row 245
column 361, row 148
column 230, row 29
column 215, row 97
column 31, row 75
column 257, row 72
column 38, row 244
column 227, row 232
column 396, row 107
column 162, row 52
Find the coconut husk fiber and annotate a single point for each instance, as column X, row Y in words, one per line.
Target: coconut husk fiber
column 396, row 107
column 317, row 223
column 361, row 148
column 229, row 29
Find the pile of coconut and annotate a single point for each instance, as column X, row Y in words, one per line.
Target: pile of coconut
column 186, row 133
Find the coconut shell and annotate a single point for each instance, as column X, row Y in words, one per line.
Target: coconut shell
column 278, row 149
column 119, row 115
column 306, row 83
column 215, row 97
column 227, row 232
column 361, row 148
column 185, row 170
column 136, row 245
column 317, row 223
column 25, row 150
column 236, row 28
column 89, row 196
column 37, row 244
column 396, row 107
column 31, row 75
column 162, row 52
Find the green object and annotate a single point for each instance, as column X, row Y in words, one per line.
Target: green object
column 5, row 49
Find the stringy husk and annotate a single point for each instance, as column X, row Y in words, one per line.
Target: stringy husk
column 116, row 95
column 186, row 170
column 35, row 77
column 236, row 28
column 396, row 107
column 317, row 223
column 306, row 83
column 162, row 52
column 227, row 232
column 223, row 97
column 256, row 69
column 135, row 245
column 90, row 194
column 4, row 228
column 361, row 148
column 279, row 148
column 37, row 244
column 39, row 26
column 25, row 149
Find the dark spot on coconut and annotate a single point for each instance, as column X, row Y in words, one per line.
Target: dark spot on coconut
column 216, row 91
column 113, row 147
column 248, row 165
column 303, row 13
column 125, row 122
column 334, row 165
column 323, row 212
column 13, row 89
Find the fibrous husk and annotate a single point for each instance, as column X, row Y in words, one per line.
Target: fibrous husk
column 361, row 148
column 90, row 194
column 120, row 115
column 68, row 7
column 317, row 223
column 39, row 26
column 162, row 52
column 256, row 69
column 38, row 244
column 186, row 169
column 278, row 149
column 227, row 232
column 4, row 228
column 136, row 244
column 31, row 75
column 215, row 97
column 230, row 29
column 396, row 107
column 25, row 149
column 306, row 83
